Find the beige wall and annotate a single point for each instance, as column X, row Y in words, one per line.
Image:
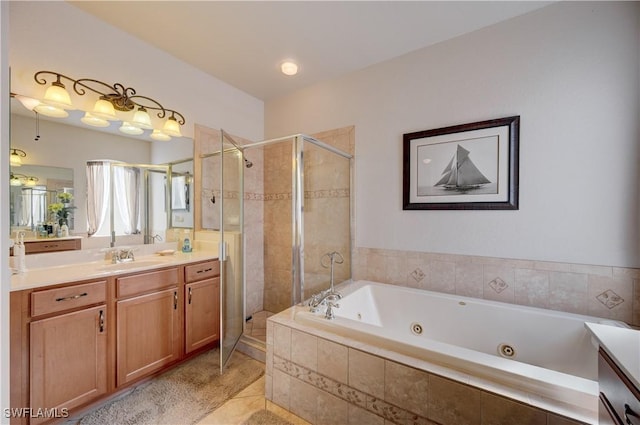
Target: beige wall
column 570, row 70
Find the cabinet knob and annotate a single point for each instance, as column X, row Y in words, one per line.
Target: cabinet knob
column 101, row 320
column 73, row 297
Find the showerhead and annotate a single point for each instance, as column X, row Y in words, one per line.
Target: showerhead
column 248, row 163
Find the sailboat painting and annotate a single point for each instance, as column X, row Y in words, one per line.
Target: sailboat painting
column 471, row 168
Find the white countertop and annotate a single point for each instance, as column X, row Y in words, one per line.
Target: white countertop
column 623, row 345
column 71, row 269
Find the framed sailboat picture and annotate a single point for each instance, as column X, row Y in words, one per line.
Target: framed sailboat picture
column 463, row 167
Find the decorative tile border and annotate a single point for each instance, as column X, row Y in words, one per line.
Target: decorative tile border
column 610, row 299
column 390, row 412
column 351, row 395
column 600, row 291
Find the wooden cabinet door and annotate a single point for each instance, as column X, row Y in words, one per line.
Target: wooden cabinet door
column 68, row 357
column 148, row 334
column 202, row 313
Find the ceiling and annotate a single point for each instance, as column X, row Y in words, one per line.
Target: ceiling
column 243, row 42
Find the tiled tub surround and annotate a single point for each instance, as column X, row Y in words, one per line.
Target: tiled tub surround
column 601, row 291
column 334, row 372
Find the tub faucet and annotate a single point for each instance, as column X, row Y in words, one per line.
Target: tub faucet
column 333, row 258
column 328, row 299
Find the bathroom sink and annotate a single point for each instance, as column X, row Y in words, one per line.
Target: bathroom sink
column 130, row 265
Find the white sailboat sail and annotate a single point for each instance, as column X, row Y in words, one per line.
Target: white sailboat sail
column 461, row 172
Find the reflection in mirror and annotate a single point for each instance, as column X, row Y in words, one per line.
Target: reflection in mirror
column 119, row 200
column 182, row 192
column 66, row 145
column 33, row 189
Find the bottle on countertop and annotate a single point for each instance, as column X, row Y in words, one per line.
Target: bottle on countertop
column 186, row 242
column 19, row 254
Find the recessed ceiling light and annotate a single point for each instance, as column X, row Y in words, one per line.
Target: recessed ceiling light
column 289, row 68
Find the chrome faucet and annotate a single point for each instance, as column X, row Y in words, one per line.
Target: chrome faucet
column 329, row 297
column 122, row 255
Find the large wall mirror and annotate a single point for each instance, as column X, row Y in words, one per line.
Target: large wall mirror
column 57, row 153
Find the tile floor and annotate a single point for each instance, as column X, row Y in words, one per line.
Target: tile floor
column 251, row 399
column 244, row 404
column 256, row 327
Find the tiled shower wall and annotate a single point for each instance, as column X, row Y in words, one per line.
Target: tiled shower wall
column 601, row 291
column 326, row 215
column 209, row 142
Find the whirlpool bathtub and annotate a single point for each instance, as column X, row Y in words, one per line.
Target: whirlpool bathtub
column 542, row 358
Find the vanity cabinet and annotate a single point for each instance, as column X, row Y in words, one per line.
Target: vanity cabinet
column 77, row 343
column 148, row 323
column 202, row 304
column 67, row 346
column 619, row 397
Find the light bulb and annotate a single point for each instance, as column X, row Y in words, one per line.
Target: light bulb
column 15, row 160
column 159, row 135
column 51, row 111
column 56, row 95
column 15, row 181
column 289, row 68
column 171, row 127
column 141, row 119
column 89, row 119
column 105, row 110
column 127, row 128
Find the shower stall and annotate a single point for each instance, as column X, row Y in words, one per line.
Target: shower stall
column 289, row 202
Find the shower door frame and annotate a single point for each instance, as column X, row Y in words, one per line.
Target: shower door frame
column 297, row 205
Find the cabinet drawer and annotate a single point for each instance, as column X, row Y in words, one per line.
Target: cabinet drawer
column 199, row 271
column 51, row 246
column 619, row 391
column 145, row 282
column 67, row 298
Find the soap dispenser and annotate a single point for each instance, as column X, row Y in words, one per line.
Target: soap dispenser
column 186, row 242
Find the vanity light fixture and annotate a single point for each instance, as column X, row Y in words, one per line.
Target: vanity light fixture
column 14, row 180
column 15, row 159
column 111, row 98
column 31, row 181
column 20, row 179
column 92, row 120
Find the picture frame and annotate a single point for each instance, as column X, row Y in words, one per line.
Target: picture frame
column 463, row 167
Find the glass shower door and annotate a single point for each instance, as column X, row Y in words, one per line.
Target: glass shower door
column 230, row 251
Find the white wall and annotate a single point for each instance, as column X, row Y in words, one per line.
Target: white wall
column 59, row 37
column 570, row 70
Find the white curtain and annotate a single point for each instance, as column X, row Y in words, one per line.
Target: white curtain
column 126, row 181
column 97, row 195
